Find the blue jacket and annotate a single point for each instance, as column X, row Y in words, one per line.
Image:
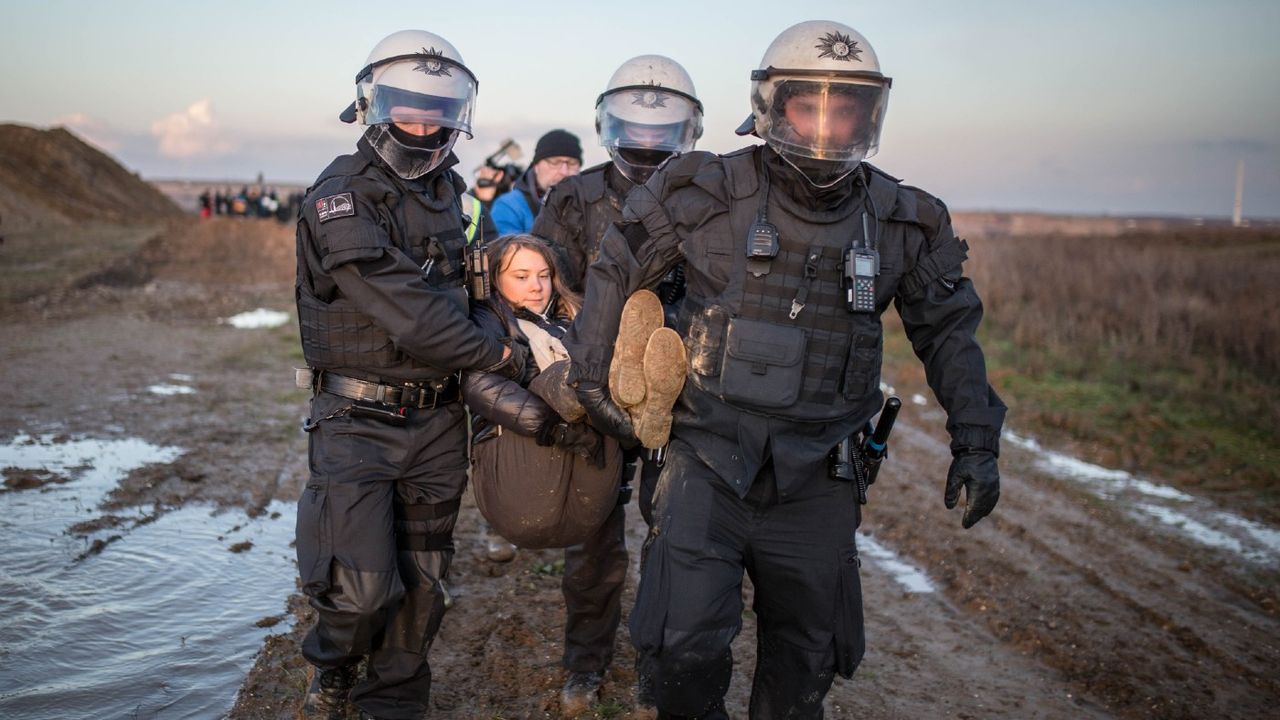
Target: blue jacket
column 512, row 211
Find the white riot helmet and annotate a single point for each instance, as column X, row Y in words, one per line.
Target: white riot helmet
column 818, row 99
column 413, row 77
column 648, row 111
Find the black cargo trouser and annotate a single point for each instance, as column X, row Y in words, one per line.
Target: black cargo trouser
column 375, row 527
column 800, row 554
column 595, row 572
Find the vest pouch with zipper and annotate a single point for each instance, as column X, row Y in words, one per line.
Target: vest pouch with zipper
column 763, row 364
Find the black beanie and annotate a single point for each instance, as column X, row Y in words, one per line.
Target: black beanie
column 557, row 143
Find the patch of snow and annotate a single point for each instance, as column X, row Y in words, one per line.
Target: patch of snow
column 911, row 578
column 171, row 390
column 260, row 318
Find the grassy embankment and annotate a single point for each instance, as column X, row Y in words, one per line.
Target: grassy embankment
column 1155, row 353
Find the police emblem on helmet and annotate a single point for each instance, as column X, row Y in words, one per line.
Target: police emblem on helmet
column 838, row 46
column 431, row 65
column 649, row 99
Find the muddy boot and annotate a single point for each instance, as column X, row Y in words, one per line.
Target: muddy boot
column 327, row 697
column 496, row 548
column 646, row 707
column 664, row 369
column 550, row 386
column 499, row 549
column 640, row 317
column 581, row 690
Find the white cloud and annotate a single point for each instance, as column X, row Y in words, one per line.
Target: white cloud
column 95, row 131
column 192, row 133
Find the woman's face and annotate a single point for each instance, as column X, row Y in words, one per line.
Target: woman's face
column 525, row 280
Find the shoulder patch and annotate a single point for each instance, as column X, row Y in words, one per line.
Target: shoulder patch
column 335, row 206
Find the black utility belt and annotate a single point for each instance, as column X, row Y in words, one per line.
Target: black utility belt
column 422, row 394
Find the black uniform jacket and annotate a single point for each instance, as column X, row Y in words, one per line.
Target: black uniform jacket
column 577, row 213
column 697, row 208
column 364, row 237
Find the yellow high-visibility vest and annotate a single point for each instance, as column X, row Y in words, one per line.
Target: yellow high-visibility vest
column 476, row 208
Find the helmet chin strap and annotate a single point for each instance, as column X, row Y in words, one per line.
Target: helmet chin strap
column 809, row 167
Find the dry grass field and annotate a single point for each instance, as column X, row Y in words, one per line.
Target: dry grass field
column 1155, row 349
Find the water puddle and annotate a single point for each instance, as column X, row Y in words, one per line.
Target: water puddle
column 911, row 578
column 1192, row 517
column 260, row 318
column 136, row 614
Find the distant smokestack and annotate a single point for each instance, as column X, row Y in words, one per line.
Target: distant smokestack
column 1237, row 218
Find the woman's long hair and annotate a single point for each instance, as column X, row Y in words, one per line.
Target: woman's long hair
column 501, row 251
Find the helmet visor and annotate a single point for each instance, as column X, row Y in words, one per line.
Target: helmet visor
column 426, row 92
column 825, row 119
column 648, row 118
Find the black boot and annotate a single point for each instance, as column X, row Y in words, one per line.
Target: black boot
column 581, row 690
column 327, row 698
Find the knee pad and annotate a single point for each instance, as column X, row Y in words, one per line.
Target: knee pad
column 426, row 528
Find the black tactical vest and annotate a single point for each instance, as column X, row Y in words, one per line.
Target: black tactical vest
column 784, row 343
column 585, row 207
column 427, row 226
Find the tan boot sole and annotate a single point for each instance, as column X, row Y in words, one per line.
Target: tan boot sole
column 664, row 371
column 640, row 317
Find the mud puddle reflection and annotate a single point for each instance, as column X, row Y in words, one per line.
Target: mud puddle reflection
column 159, row 620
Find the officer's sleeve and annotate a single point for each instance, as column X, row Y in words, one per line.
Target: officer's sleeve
column 384, row 284
column 634, row 254
column 560, row 224
column 940, row 310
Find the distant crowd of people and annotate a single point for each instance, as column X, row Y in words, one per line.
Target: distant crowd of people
column 254, row 201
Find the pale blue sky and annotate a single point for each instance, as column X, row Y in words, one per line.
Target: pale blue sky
column 1120, row 107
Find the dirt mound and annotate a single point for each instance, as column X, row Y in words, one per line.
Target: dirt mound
column 221, row 251
column 228, row 251
column 51, row 177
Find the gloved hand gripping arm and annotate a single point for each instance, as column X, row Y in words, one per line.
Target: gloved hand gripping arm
column 577, row 438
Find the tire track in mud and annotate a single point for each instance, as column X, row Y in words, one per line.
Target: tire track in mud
column 1135, row 617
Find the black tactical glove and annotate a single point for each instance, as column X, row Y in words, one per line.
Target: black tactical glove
column 977, row 471
column 577, row 438
column 515, row 364
column 604, row 413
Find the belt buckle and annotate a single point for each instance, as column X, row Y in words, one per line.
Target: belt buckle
column 413, row 394
column 438, row 388
column 390, row 394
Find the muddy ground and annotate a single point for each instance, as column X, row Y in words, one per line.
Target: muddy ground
column 1059, row 606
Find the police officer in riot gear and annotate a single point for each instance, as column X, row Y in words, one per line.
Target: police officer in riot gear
column 648, row 112
column 385, row 329
column 792, row 250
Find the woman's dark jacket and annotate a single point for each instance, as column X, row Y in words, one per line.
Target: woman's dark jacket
column 495, row 400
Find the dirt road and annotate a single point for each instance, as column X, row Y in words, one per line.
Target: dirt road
column 1067, row 603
